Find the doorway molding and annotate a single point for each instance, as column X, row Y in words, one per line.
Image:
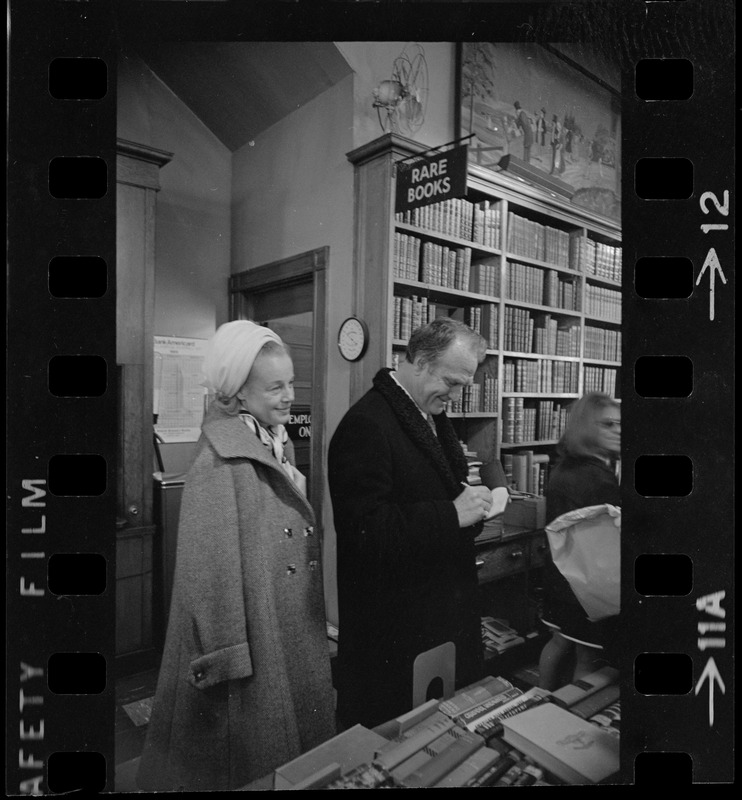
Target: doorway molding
column 308, row 266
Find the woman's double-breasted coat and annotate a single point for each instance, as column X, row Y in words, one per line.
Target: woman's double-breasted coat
column 244, row 684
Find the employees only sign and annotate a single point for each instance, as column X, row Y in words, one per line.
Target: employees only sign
column 431, row 179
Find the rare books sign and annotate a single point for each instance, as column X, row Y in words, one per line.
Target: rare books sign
column 431, row 179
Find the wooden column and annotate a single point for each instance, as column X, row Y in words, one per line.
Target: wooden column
column 374, row 248
column 137, row 176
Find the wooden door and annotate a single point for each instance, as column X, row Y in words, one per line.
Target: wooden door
column 137, row 176
column 289, row 297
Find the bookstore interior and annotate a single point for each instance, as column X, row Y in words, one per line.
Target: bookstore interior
column 344, row 194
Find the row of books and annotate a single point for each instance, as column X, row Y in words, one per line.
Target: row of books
column 548, row 338
column 603, row 302
column 410, row 313
column 595, row 258
column 519, row 327
column 561, row 292
column 432, row 263
column 542, row 287
column 483, row 319
column 552, row 419
column 542, row 376
column 602, row 343
column 469, row 401
column 491, row 733
column 526, row 471
column 481, row 396
column 487, row 224
column 600, row 379
column 544, row 421
column 485, row 276
column 555, row 337
column 534, row 240
column 478, row 222
column 481, row 222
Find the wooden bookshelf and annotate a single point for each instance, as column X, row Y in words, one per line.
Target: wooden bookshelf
column 539, row 277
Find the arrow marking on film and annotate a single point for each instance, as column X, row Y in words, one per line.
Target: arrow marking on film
column 712, row 262
column 711, row 671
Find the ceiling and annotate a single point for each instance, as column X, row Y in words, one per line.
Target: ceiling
column 239, row 89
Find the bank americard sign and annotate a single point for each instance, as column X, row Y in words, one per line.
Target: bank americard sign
column 431, row 179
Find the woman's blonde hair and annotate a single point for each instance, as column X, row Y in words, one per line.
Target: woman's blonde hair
column 580, row 437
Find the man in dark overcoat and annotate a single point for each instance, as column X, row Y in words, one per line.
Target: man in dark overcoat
column 406, row 522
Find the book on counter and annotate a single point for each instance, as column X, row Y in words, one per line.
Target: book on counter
column 583, row 687
column 446, row 758
column 475, row 716
column 392, row 753
column 597, row 701
column 609, row 718
column 473, row 695
column 522, row 773
column 364, row 776
column 339, row 754
column 490, row 776
column 420, row 758
column 469, row 769
column 490, row 725
column 565, row 745
column 498, row 636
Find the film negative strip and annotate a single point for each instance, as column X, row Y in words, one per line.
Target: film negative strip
column 67, row 409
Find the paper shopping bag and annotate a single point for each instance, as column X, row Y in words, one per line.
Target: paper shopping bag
column 586, row 548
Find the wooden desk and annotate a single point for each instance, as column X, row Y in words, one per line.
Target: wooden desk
column 508, row 567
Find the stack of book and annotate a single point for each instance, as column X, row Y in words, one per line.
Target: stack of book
column 498, row 636
column 573, row 749
column 473, row 464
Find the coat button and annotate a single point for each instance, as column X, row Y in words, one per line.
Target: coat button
column 290, row 569
column 309, row 531
column 313, row 564
column 288, row 532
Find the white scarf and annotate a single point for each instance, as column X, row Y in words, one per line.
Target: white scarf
column 275, row 438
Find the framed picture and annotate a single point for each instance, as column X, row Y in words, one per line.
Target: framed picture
column 553, row 110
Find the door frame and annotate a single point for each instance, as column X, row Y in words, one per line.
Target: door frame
column 311, row 265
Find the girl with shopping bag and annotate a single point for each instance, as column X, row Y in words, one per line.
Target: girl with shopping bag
column 584, row 476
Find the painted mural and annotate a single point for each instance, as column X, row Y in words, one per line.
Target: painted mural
column 523, row 100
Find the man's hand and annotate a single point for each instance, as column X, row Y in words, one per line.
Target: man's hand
column 472, row 505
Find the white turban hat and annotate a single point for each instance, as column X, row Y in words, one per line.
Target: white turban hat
column 230, row 354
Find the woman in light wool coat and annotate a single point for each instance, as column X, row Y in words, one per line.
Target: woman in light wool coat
column 244, row 684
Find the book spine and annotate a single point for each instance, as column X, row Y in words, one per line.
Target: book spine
column 596, row 702
column 493, row 725
column 573, row 692
column 469, row 769
column 466, row 700
column 440, row 765
column 495, row 772
column 474, row 717
column 395, row 755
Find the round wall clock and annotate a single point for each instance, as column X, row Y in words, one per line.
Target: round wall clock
column 353, row 338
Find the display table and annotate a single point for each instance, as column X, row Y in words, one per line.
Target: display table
column 491, row 733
